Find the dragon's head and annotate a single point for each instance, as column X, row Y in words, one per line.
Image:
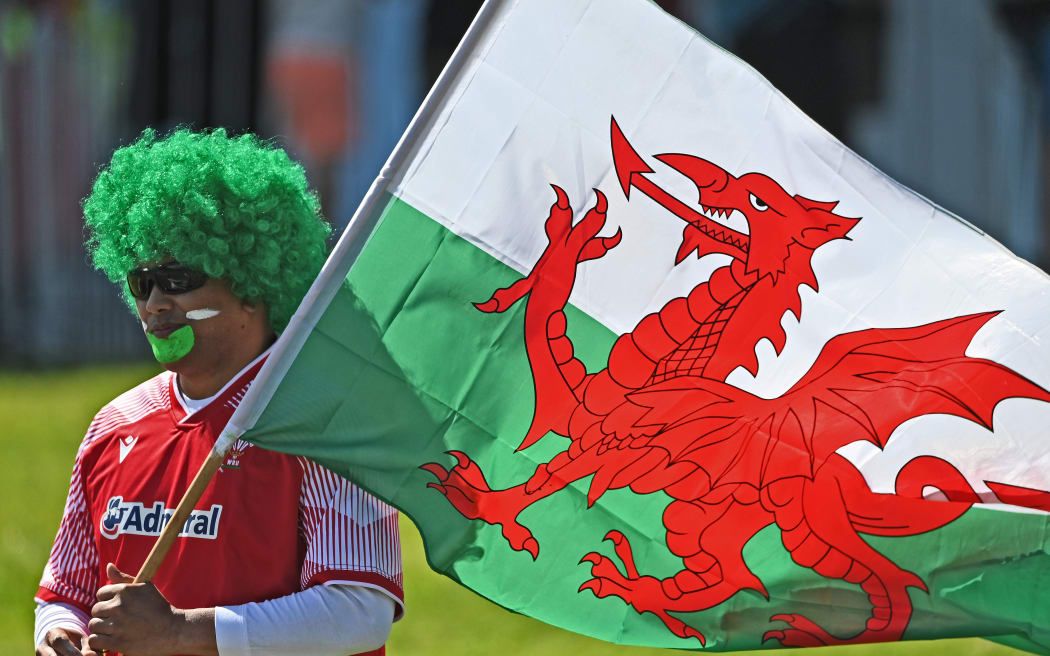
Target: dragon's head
column 780, row 226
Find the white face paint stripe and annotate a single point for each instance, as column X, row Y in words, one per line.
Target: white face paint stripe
column 203, row 313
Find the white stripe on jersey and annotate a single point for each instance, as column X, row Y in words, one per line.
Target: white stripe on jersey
column 72, row 568
column 346, row 528
column 136, row 403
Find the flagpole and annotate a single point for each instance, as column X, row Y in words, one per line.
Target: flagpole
column 321, row 292
column 178, row 518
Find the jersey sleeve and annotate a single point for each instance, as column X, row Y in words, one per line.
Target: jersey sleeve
column 71, row 573
column 350, row 536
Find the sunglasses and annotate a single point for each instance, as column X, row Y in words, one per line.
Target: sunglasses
column 172, row 278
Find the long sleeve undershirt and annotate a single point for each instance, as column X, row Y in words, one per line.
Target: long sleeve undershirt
column 323, row 620
column 57, row 615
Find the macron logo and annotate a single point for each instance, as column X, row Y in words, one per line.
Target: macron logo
column 126, row 444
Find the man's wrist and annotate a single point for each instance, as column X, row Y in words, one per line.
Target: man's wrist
column 195, row 631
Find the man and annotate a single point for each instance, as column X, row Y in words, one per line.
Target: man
column 214, row 240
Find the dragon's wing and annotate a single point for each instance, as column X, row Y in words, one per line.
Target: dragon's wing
column 863, row 385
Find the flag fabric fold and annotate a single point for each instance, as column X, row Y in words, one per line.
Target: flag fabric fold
column 647, row 354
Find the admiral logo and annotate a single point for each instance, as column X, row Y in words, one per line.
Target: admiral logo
column 133, row 518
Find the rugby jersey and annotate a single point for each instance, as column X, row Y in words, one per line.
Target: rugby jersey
column 268, row 524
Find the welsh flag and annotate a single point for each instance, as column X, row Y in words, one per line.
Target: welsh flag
column 647, row 354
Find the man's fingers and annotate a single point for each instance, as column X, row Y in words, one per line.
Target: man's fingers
column 60, row 646
column 103, row 608
column 65, row 647
column 117, row 576
column 85, row 650
column 44, row 649
column 107, row 592
column 101, row 625
column 99, row 642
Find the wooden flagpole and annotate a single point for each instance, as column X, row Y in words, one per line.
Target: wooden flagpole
column 182, row 511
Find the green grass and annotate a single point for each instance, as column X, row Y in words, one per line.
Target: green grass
column 44, row 415
column 42, row 418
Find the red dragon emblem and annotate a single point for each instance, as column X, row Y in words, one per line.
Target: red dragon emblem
column 660, row 416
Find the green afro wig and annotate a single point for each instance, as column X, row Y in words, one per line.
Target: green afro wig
column 235, row 208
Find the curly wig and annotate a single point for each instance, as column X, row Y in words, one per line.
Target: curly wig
column 235, row 208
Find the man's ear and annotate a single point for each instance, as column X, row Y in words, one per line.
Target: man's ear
column 256, row 308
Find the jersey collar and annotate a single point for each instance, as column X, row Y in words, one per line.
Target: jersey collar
column 218, row 407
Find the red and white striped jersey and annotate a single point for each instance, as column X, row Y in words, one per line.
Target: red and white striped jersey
column 268, row 525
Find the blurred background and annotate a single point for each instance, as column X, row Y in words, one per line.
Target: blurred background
column 948, row 96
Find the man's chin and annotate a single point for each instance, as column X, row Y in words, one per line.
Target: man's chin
column 174, row 347
column 190, row 364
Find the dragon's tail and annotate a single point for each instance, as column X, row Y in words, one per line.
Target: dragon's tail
column 821, row 520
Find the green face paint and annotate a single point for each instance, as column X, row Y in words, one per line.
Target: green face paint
column 175, row 347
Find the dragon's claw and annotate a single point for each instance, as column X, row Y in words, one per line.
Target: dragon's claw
column 602, row 204
column 460, row 457
column 793, row 638
column 804, row 632
column 465, row 487
column 563, row 199
column 690, row 632
column 773, row 635
column 645, row 593
column 467, row 470
column 615, row 537
column 532, row 547
column 592, row 558
column 435, row 469
column 568, row 245
column 598, row 246
column 602, row 587
column 594, row 585
column 783, row 617
column 622, row 547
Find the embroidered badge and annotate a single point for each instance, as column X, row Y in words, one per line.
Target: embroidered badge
column 235, row 454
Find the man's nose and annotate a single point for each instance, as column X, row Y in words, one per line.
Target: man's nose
column 158, row 301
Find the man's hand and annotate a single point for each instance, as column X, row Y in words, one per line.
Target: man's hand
column 64, row 642
column 135, row 619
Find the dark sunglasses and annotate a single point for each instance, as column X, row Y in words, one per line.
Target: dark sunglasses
column 172, row 278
